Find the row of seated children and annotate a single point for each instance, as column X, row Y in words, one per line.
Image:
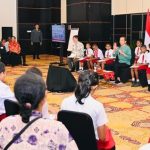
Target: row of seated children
column 94, row 55
column 142, row 62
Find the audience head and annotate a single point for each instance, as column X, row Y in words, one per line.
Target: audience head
column 13, row 38
column 86, row 82
column 95, row 46
column 35, row 70
column 37, row 26
column 9, row 39
column 2, row 71
column 30, row 91
column 108, row 46
column 143, row 48
column 88, row 45
column 149, row 46
column 139, row 43
column 123, row 40
column 75, row 38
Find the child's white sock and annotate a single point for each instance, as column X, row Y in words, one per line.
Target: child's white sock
column 148, row 82
column 133, row 79
column 137, row 80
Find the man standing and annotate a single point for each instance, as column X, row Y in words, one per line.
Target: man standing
column 36, row 41
column 76, row 53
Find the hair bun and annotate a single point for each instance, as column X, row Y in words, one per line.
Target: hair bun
column 28, row 105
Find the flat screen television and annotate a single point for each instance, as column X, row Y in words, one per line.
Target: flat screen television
column 58, row 33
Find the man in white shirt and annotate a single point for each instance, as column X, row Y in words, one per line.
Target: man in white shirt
column 5, row 92
column 76, row 53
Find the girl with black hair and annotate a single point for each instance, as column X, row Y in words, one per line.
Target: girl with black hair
column 43, row 134
column 82, row 101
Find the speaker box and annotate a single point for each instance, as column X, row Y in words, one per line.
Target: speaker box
column 60, row 79
column 7, row 32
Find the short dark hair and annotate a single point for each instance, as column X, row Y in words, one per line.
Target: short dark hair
column 14, row 37
column 86, row 80
column 95, row 44
column 76, row 36
column 144, row 46
column 149, row 45
column 139, row 40
column 108, row 44
column 124, row 38
column 2, row 67
column 35, row 70
column 29, row 90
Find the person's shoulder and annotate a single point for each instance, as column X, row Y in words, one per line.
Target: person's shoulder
column 47, row 123
column 68, row 99
column 2, row 84
column 10, row 120
column 95, row 102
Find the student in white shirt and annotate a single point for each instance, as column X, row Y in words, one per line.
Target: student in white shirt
column 98, row 55
column 108, row 60
column 138, row 49
column 148, row 71
column 5, row 92
column 88, row 54
column 141, row 65
column 82, row 101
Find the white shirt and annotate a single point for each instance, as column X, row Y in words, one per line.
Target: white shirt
column 145, row 147
column 99, row 54
column 109, row 53
column 137, row 51
column 77, row 50
column 142, row 58
column 5, row 93
column 89, row 52
column 7, row 46
column 91, row 107
column 148, row 59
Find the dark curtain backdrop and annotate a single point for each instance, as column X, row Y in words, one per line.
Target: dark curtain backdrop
column 93, row 17
column 43, row 12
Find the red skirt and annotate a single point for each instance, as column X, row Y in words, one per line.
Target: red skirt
column 144, row 67
column 108, row 144
column 84, row 59
column 111, row 61
column 3, row 116
column 148, row 71
column 95, row 60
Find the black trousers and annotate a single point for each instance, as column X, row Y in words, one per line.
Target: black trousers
column 118, row 68
column 36, row 50
column 15, row 59
column 73, row 64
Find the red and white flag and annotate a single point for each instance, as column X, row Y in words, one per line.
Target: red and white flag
column 147, row 31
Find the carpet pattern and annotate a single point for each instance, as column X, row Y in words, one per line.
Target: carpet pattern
column 128, row 109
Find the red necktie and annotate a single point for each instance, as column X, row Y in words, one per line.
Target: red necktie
column 143, row 59
column 96, row 53
column 138, row 50
column 107, row 54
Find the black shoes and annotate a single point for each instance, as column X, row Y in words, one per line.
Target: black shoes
column 149, row 87
column 135, row 84
column 117, row 81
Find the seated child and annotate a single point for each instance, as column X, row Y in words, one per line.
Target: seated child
column 98, row 55
column 140, row 65
column 138, row 50
column 148, row 71
column 88, row 54
column 108, row 60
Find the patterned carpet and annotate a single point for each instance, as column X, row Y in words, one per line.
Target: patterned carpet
column 128, row 108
